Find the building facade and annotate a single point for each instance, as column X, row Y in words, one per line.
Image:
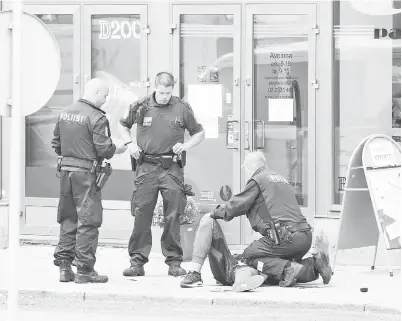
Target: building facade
column 302, row 81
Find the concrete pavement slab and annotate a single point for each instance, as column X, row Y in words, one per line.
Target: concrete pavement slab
column 39, row 282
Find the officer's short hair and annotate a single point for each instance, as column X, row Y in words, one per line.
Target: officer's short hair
column 165, row 79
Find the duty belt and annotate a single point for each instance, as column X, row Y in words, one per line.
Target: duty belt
column 156, row 159
column 77, row 162
column 294, row 227
column 281, row 227
column 165, row 159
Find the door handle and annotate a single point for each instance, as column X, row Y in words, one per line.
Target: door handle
column 247, row 135
column 232, row 134
column 260, row 134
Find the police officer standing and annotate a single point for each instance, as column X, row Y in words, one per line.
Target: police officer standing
column 161, row 120
column 82, row 141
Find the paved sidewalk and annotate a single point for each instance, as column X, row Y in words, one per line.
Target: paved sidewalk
column 39, row 281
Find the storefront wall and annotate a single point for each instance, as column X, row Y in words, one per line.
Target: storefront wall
column 237, row 63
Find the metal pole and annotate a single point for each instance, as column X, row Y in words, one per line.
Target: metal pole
column 375, row 254
column 17, row 130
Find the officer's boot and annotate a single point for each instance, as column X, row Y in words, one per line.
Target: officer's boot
column 247, row 279
column 134, row 270
column 66, row 272
column 321, row 264
column 176, row 270
column 90, row 277
column 290, row 274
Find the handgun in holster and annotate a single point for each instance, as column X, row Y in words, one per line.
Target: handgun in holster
column 136, row 162
column 187, row 190
column 274, row 233
column 181, row 159
column 94, row 166
column 102, row 175
column 59, row 159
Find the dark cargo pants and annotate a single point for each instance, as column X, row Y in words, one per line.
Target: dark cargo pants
column 269, row 258
column 210, row 241
column 80, row 215
column 150, row 179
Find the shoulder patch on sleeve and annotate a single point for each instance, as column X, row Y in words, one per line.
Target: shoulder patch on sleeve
column 135, row 105
column 132, row 108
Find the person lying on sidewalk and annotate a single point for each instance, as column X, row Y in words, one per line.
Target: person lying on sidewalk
column 270, row 204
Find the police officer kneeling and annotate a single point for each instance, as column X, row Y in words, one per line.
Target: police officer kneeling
column 272, row 209
column 82, row 141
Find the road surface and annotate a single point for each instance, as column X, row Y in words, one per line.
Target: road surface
column 159, row 312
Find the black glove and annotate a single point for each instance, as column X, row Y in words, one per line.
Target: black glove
column 187, row 190
column 219, row 213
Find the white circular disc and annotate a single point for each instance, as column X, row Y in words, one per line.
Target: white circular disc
column 40, row 63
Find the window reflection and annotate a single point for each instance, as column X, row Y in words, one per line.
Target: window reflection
column 116, row 58
column 206, row 59
column 396, row 76
column 367, row 76
column 40, row 125
column 281, row 96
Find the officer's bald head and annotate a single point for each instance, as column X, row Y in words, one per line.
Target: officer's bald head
column 96, row 91
column 254, row 161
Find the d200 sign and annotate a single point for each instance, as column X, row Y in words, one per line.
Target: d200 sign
column 119, row 29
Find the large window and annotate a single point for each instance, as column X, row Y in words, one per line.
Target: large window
column 116, row 58
column 40, row 157
column 95, row 44
column 367, row 75
column 206, row 69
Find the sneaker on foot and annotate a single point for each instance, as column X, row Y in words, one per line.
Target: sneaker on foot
column 176, row 270
column 134, row 270
column 252, row 283
column 192, row 279
column 290, row 275
column 321, row 264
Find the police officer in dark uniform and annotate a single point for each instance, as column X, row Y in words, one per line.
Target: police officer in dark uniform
column 272, row 209
column 159, row 149
column 82, row 141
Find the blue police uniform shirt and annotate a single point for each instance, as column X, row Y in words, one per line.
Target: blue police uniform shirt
column 163, row 125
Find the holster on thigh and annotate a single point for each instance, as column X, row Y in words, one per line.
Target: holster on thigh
column 66, row 208
column 91, row 211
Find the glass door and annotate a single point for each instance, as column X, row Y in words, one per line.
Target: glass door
column 115, row 50
column 64, row 23
column 280, row 89
column 206, row 64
